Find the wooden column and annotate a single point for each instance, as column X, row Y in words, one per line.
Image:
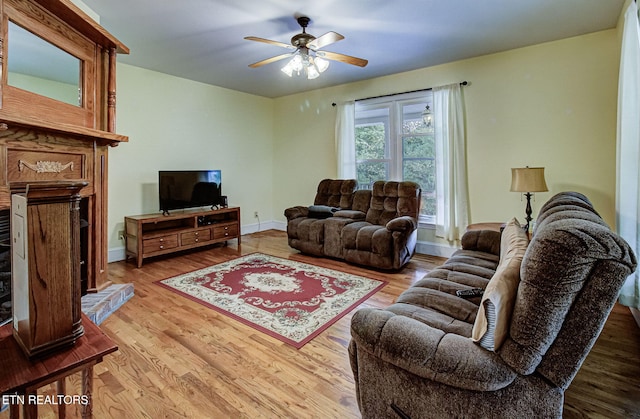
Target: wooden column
column 111, row 92
column 45, row 233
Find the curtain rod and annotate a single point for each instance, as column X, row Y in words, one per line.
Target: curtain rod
column 462, row 83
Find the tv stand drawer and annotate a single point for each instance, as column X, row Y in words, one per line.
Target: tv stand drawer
column 159, row 244
column 230, row 231
column 197, row 236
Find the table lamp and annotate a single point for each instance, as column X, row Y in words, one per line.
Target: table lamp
column 528, row 180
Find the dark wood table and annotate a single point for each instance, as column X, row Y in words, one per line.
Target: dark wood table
column 20, row 378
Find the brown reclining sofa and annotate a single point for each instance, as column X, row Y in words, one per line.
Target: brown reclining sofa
column 376, row 228
column 511, row 353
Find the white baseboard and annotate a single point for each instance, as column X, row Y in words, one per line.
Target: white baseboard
column 435, row 249
column 119, row 253
column 267, row 225
column 279, row 225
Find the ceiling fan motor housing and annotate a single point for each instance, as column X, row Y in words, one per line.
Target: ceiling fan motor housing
column 302, row 39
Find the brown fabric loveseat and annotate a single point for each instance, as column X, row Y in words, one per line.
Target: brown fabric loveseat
column 376, row 227
column 418, row 357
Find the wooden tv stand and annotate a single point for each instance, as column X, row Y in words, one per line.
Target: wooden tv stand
column 155, row 234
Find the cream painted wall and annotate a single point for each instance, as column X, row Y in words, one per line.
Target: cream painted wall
column 178, row 124
column 551, row 105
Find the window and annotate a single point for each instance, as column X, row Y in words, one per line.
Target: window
column 394, row 140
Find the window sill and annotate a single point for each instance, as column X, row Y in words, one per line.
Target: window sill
column 427, row 223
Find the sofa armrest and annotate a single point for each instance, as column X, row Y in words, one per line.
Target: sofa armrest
column 296, row 212
column 427, row 352
column 353, row 214
column 404, row 223
column 482, row 240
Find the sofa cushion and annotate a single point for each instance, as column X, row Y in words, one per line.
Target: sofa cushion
column 464, row 279
column 335, row 192
column 433, row 301
column 368, row 237
column 307, row 229
column 463, row 259
column 393, row 199
column 494, row 314
column 361, row 200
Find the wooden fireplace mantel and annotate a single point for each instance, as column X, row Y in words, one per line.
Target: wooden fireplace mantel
column 43, row 139
column 72, row 131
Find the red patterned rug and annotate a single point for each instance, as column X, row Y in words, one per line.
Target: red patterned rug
column 291, row 301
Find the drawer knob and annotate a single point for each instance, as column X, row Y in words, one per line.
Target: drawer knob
column 196, row 240
column 197, row 233
column 161, row 247
column 161, row 240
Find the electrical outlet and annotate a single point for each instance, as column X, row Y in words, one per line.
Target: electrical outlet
column 255, row 214
column 121, row 235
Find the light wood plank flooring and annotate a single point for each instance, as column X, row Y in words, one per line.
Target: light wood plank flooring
column 179, row 359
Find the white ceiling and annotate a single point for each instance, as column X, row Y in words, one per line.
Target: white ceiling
column 202, row 40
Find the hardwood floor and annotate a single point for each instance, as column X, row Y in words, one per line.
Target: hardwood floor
column 180, row 359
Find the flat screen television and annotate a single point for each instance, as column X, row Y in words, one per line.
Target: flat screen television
column 181, row 189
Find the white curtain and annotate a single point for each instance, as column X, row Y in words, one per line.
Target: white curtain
column 628, row 148
column 452, row 212
column 345, row 141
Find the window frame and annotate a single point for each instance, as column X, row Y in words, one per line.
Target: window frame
column 394, row 135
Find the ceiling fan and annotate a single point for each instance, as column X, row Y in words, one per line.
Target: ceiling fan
column 307, row 56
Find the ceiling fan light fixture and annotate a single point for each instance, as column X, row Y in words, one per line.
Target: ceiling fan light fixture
column 312, row 70
column 302, row 62
column 321, row 64
column 287, row 69
column 297, row 63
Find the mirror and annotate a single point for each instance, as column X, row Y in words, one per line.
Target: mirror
column 40, row 67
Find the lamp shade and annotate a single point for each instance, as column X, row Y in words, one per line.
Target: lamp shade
column 528, row 179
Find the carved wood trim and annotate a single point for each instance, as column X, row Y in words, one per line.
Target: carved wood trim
column 45, row 166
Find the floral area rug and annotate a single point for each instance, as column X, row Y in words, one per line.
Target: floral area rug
column 289, row 300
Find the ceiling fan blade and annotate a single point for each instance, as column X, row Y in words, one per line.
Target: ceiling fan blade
column 324, row 40
column 269, row 41
column 343, row 58
column 270, row 60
